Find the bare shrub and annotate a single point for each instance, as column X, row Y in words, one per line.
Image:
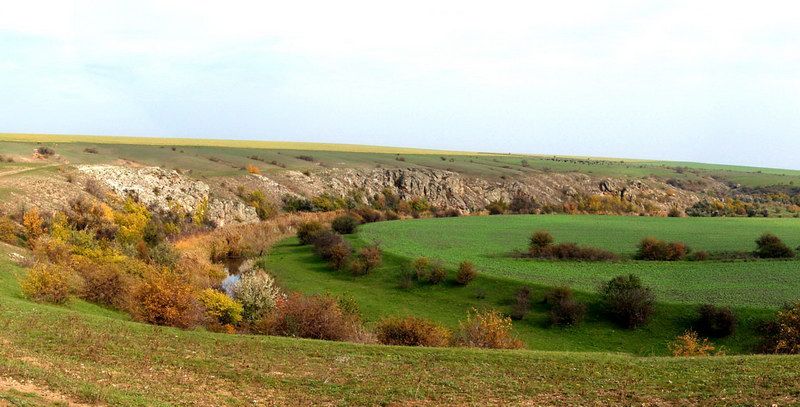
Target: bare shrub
column 313, row 316
column 104, row 282
column 487, row 329
column 651, row 248
column 412, row 331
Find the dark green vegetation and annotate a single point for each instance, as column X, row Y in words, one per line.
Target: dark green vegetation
column 93, row 355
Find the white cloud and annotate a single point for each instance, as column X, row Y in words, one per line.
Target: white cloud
column 583, row 71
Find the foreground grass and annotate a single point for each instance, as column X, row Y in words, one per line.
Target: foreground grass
column 488, row 241
column 97, row 358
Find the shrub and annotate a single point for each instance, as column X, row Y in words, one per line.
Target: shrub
column 325, row 241
column 264, row 208
column 163, row 298
column 297, row 204
column 314, row 316
column 422, row 268
column 522, row 303
column 446, row 213
column 497, row 207
column 571, row 251
column 257, row 293
column 701, row 255
column 307, row 232
column 651, row 248
column 715, row 322
column 369, row 215
column 33, row 224
column 9, row 231
column 305, row 158
column 783, row 334
column 46, row 151
column 523, row 204
column 369, row 258
column 770, row 246
column 627, row 301
column 689, row 344
column 345, row 224
column 90, row 150
column 438, row 273
column 675, row 212
column 486, row 329
column 540, row 240
column 252, row 169
column 466, row 273
column 412, row 331
column 564, row 309
column 219, row 308
column 47, row 283
column 406, row 279
column 104, row 283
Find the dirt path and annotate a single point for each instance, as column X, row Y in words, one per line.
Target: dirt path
column 25, row 169
column 13, row 391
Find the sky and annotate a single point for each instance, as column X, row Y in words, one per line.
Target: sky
column 707, row 81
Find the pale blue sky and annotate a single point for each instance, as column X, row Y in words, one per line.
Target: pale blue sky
column 707, row 81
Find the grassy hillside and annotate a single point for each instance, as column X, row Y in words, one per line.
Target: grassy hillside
column 90, row 355
column 229, row 157
column 488, row 242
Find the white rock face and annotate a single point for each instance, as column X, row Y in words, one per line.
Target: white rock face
column 158, row 187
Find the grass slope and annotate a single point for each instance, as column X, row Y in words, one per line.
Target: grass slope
column 488, row 241
column 92, row 356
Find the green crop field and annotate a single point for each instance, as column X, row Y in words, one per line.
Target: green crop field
column 489, row 242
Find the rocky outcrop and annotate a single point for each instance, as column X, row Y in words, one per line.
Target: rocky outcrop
column 160, row 188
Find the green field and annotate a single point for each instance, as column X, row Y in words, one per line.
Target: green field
column 489, row 241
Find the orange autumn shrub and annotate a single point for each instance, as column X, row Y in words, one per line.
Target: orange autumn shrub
column 163, row 298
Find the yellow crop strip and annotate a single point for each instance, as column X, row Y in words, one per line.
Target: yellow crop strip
column 257, row 144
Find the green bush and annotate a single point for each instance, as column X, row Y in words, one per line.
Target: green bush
column 627, row 301
column 497, row 207
column 716, row 322
column 307, row 232
column 770, row 246
column 345, row 224
column 564, row 310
